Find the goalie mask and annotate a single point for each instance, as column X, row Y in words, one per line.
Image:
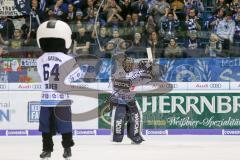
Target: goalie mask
column 128, row 64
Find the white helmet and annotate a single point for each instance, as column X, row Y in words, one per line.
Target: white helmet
column 55, row 29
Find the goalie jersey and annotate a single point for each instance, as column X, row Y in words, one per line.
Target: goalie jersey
column 48, row 66
column 123, row 82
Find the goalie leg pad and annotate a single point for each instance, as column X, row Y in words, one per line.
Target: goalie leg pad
column 134, row 125
column 118, row 121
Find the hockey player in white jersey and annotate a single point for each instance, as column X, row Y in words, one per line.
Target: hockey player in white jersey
column 122, row 101
column 54, row 38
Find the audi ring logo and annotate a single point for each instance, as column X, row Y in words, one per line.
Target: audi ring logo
column 3, row 86
column 215, row 85
column 38, row 86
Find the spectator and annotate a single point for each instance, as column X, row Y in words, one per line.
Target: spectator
column 156, row 45
column 112, row 8
column 58, row 10
column 90, row 20
column 222, row 4
column 89, row 11
column 103, row 39
column 138, row 42
column 237, row 13
column 193, row 45
column 137, row 26
column 170, row 25
column 151, row 25
column 31, row 38
column 71, row 14
column 140, row 7
column 126, row 31
column 191, row 22
column 37, row 15
column 225, row 30
column 158, row 9
column 126, row 8
column 215, row 19
column 6, row 27
column 82, row 42
column 17, row 42
column 79, row 18
column 114, row 20
column 173, row 50
column 138, row 48
column 19, row 22
column 115, row 43
column 197, row 5
column 214, row 47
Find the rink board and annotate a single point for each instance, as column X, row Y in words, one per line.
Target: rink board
column 146, row 132
column 20, row 105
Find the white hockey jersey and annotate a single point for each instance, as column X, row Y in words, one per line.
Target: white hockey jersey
column 48, row 66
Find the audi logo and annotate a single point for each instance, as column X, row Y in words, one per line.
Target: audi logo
column 37, row 86
column 215, row 85
column 3, row 86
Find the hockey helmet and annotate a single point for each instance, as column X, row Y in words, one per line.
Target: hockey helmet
column 55, row 29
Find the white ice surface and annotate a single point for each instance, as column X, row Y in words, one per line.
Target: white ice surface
column 155, row 148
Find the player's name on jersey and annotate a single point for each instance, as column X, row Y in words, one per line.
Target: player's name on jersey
column 51, row 86
column 234, row 85
column 208, row 85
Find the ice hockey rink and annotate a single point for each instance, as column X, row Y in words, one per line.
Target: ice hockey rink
column 184, row 147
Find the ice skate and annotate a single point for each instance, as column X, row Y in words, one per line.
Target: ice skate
column 67, row 153
column 45, row 155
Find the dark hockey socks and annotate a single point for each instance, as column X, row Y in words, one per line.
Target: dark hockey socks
column 47, row 142
column 67, row 140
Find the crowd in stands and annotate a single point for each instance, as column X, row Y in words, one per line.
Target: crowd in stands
column 171, row 28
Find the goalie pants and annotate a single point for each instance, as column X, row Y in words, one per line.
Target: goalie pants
column 53, row 120
column 129, row 114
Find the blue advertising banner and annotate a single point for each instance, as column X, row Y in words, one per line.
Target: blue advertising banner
column 14, row 70
column 201, row 70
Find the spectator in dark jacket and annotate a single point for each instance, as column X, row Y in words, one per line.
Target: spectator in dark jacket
column 6, row 27
column 193, row 45
column 170, row 25
column 155, row 44
column 140, row 7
